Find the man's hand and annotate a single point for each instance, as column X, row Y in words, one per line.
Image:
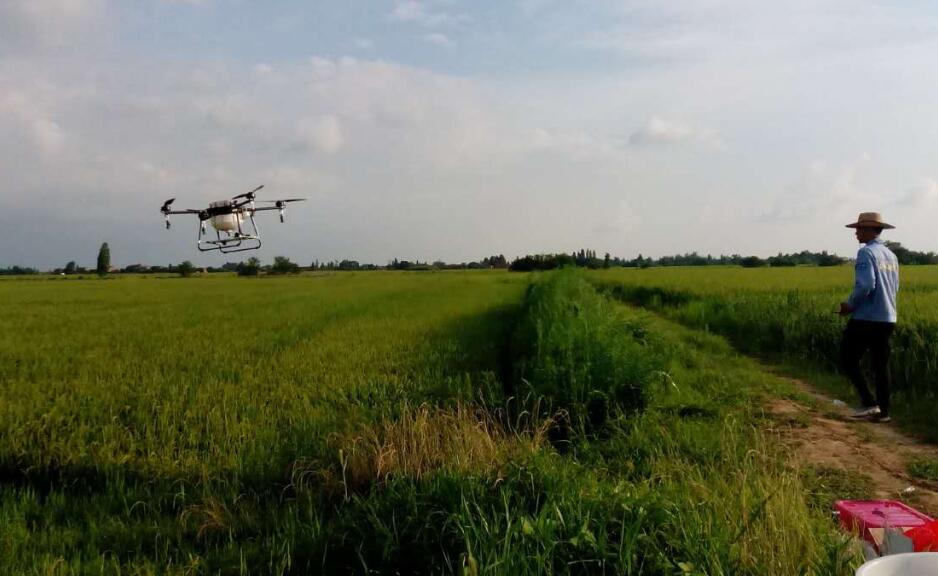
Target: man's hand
column 845, row 309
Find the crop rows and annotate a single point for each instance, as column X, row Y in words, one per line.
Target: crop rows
column 476, row 423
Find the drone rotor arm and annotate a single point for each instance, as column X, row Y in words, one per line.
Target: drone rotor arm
column 248, row 195
column 167, row 212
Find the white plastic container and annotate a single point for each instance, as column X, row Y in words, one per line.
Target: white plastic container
column 911, row 564
column 226, row 222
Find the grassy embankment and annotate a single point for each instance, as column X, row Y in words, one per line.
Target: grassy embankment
column 788, row 314
column 389, row 422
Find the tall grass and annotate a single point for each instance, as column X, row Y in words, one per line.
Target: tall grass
column 574, row 349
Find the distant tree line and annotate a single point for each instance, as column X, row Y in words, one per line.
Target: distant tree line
column 541, row 262
column 17, row 271
column 252, row 267
column 803, row 258
column 283, row 265
column 588, row 259
column 906, row 256
column 582, row 258
column 496, row 261
column 347, row 265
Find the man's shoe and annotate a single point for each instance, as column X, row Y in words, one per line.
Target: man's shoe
column 865, row 412
column 881, row 418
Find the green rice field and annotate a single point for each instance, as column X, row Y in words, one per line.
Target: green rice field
column 467, row 422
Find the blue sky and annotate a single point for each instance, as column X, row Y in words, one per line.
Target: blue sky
column 453, row 130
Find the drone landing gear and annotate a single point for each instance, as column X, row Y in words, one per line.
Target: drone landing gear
column 235, row 241
column 229, row 244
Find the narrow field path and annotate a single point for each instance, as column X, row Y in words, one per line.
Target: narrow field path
column 820, row 433
column 870, row 459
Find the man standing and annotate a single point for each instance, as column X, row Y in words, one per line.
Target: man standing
column 872, row 311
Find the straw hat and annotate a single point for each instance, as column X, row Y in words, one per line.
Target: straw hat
column 870, row 220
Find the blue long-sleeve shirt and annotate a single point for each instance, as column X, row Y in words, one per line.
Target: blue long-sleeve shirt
column 877, row 281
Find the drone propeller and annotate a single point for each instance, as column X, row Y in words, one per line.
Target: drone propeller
column 167, row 211
column 280, row 203
column 248, row 195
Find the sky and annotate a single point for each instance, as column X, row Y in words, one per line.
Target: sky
column 446, row 130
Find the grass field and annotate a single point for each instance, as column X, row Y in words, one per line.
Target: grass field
column 464, row 422
column 789, row 313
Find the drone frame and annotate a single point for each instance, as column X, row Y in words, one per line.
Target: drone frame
column 239, row 206
column 232, row 242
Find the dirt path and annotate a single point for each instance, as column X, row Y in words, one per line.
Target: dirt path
column 823, row 435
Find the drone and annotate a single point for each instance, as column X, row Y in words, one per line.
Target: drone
column 228, row 218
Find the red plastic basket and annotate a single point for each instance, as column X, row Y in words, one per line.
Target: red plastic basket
column 870, row 518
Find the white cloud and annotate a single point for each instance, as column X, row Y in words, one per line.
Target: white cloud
column 27, row 116
column 228, row 109
column 624, row 220
column 406, row 114
column 159, row 174
column 426, row 13
column 48, row 12
column 823, row 192
column 573, row 144
column 417, row 12
column 660, row 131
column 323, row 134
column 31, row 24
column 922, row 195
column 532, row 8
column 650, row 44
column 48, row 136
column 209, row 129
column 438, row 39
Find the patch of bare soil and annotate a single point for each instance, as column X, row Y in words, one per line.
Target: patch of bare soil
column 826, row 436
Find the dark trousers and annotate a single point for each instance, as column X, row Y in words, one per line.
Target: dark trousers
column 861, row 336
